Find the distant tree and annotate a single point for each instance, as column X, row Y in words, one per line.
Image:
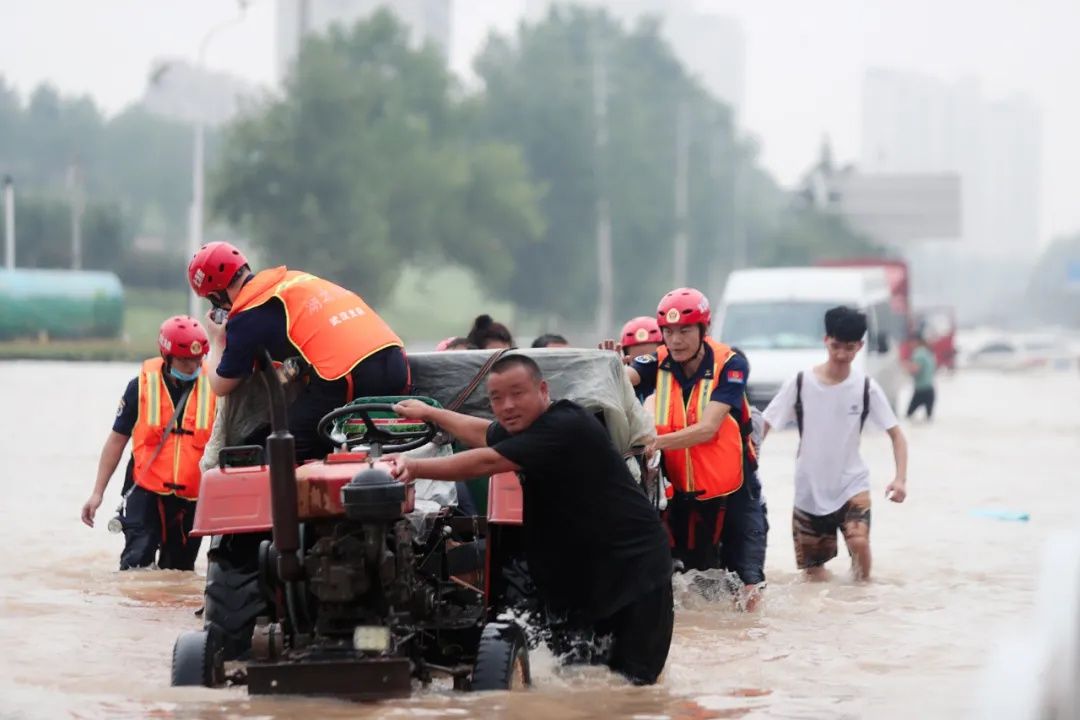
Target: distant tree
column 1053, row 295
column 44, row 234
column 364, row 165
column 541, row 91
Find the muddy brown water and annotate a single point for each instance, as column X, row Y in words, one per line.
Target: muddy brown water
column 79, row 639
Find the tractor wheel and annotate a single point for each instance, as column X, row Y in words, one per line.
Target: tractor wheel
column 502, row 659
column 234, row 598
column 197, row 660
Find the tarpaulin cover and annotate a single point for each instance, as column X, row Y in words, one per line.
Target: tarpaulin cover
column 594, row 379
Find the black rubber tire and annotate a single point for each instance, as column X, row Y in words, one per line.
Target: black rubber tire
column 502, row 659
column 197, row 660
column 234, row 598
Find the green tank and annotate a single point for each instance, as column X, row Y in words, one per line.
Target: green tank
column 60, row 303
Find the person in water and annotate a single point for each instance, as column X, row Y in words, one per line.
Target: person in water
column 830, row 403
column 167, row 412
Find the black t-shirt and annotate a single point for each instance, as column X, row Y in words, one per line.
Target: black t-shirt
column 128, row 411
column 594, row 543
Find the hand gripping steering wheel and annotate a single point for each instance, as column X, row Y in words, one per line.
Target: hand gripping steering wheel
column 388, row 439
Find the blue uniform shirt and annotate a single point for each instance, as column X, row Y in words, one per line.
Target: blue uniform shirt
column 247, row 331
column 729, row 387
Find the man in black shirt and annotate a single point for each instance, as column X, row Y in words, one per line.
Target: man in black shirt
column 595, row 546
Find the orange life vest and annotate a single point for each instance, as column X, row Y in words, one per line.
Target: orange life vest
column 713, row 468
column 333, row 328
column 175, row 470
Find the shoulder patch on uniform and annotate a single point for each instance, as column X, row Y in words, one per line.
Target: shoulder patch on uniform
column 645, row 359
column 736, row 376
column 120, row 408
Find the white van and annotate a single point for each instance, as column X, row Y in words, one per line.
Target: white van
column 777, row 317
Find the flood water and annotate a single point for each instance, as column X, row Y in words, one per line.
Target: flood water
column 79, row 639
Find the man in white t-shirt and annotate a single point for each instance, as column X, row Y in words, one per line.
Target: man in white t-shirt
column 831, row 403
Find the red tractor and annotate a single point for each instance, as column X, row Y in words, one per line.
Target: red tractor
column 325, row 580
column 332, row 578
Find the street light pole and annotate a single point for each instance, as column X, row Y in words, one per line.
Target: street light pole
column 9, row 222
column 198, row 161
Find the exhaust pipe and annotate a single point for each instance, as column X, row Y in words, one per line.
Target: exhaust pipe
column 281, row 455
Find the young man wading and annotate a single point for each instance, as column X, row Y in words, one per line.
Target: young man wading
column 831, row 403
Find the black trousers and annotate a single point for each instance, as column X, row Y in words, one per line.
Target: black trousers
column 746, row 531
column 157, row 529
column 923, row 397
column 641, row 635
column 384, row 373
column 695, row 527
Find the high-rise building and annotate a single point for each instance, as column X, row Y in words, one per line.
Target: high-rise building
column 711, row 46
column 914, row 123
column 427, row 20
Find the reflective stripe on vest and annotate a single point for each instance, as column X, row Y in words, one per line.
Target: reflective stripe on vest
column 175, row 469
column 713, row 468
column 333, row 328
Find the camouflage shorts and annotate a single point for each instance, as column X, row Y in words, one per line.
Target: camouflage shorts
column 815, row 535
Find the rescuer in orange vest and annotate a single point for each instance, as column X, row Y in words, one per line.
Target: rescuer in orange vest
column 702, row 425
column 343, row 348
column 168, row 412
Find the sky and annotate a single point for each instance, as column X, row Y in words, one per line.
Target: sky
column 804, row 67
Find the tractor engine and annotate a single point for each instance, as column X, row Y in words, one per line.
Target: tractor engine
column 360, row 569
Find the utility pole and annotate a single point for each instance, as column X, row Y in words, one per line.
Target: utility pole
column 9, row 222
column 198, row 161
column 682, row 163
column 74, row 183
column 740, row 251
column 303, row 22
column 604, row 261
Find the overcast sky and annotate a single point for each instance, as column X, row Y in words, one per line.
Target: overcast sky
column 805, row 61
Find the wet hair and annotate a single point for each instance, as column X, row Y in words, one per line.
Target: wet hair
column 511, row 361
column 485, row 329
column 548, row 339
column 845, row 324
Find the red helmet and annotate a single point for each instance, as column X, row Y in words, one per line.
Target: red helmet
column 214, row 267
column 641, row 330
column 182, row 337
column 683, row 306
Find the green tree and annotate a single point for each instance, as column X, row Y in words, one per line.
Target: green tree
column 541, row 89
column 364, row 165
column 135, row 164
column 44, row 234
column 1052, row 292
column 541, row 92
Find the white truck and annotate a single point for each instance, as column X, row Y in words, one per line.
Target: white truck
column 777, row 317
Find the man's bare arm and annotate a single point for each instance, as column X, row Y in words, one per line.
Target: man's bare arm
column 897, row 489
column 470, row 430
column 462, row 466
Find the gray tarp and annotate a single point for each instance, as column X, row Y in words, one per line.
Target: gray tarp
column 595, row 379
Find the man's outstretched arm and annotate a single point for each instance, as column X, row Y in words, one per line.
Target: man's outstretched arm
column 470, row 430
column 462, row 466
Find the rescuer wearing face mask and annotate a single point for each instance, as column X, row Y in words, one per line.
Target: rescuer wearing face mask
column 167, row 412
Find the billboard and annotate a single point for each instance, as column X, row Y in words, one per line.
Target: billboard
column 899, row 208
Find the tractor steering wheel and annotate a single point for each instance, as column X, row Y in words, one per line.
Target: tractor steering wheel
column 387, row 441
